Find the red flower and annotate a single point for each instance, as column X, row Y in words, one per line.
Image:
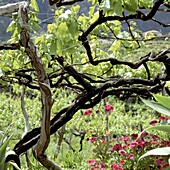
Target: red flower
column 166, row 143
column 125, row 146
column 153, row 122
column 116, row 167
column 116, row 147
column 122, row 162
column 134, row 136
column 164, row 118
column 131, row 156
column 141, row 144
column 103, row 141
column 155, row 137
column 108, row 108
column 91, row 162
column 144, row 134
column 124, row 139
column 164, row 166
column 159, row 161
column 102, row 166
column 88, row 112
column 133, row 144
column 154, row 142
column 92, row 139
column 95, row 167
column 123, row 153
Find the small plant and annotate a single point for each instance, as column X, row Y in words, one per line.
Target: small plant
column 118, row 152
column 162, row 106
column 4, row 164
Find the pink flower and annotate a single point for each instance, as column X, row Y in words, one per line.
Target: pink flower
column 166, row 143
column 123, row 153
column 108, row 108
column 124, row 139
column 125, row 146
column 92, row 139
column 141, row 144
column 154, row 142
column 88, row 112
column 133, row 145
column 164, row 118
column 95, row 167
column 153, row 122
column 134, row 136
column 91, row 162
column 116, row 167
column 116, row 147
column 102, row 166
column 122, row 162
column 103, row 141
column 159, row 161
column 144, row 134
column 155, row 137
column 164, row 166
column 131, row 156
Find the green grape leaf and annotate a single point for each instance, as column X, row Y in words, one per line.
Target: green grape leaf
column 11, row 26
column 62, row 30
column 131, row 5
column 34, row 5
column 116, row 7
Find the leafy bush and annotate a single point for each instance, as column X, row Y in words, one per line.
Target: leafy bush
column 162, row 106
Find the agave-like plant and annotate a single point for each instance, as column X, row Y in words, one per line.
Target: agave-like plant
column 162, row 106
column 4, row 164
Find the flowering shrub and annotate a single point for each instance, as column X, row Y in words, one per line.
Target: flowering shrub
column 122, row 152
column 162, row 106
column 125, row 151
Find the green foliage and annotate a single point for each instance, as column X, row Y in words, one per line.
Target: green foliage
column 163, row 100
column 116, row 7
column 158, row 106
column 161, row 106
column 158, row 151
column 4, row 142
column 61, row 39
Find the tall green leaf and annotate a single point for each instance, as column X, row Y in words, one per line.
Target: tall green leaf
column 158, row 107
column 158, row 151
column 3, row 149
column 164, row 100
column 164, row 128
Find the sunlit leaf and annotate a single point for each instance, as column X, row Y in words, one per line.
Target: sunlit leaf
column 3, row 149
column 158, row 107
column 11, row 27
column 34, row 5
column 164, row 128
column 164, row 100
column 158, row 151
column 116, row 7
column 131, row 5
